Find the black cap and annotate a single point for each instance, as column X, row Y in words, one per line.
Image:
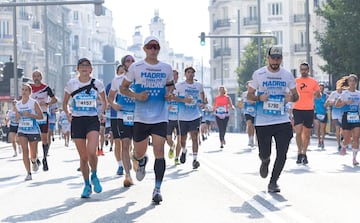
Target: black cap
column 80, row 61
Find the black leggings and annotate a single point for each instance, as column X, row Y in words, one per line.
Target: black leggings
column 282, row 134
column 222, row 124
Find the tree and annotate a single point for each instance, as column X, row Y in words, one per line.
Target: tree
column 249, row 62
column 340, row 42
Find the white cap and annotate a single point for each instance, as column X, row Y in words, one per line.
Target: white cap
column 151, row 38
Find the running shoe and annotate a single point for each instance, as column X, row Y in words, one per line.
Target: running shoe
column 299, row 158
column 140, row 171
column 156, row 197
column 305, row 160
column 35, row 166
column 183, row 157
column 171, row 153
column 28, row 177
column 86, row 192
column 195, row 164
column 95, row 181
column 343, row 151
column 45, row 164
column 78, row 169
column 264, row 168
column 15, row 155
column 273, row 188
column 120, row 170
column 128, row 181
column 176, row 162
column 355, row 162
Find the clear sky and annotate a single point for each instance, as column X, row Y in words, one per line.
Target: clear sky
column 184, row 20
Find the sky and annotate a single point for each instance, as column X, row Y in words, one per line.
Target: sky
column 184, row 20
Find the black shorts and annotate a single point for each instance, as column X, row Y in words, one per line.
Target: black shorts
column 171, row 125
column 249, row 117
column 30, row 137
column 81, row 126
column 142, row 130
column 114, row 123
column 13, row 128
column 189, row 126
column 346, row 125
column 126, row 131
column 305, row 117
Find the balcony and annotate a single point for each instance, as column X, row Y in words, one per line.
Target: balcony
column 299, row 18
column 250, row 21
column 300, row 48
column 35, row 25
column 222, row 52
column 221, row 23
column 6, row 38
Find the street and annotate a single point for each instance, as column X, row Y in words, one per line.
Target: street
column 226, row 187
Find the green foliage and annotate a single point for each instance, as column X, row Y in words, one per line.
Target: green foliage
column 340, row 42
column 249, row 61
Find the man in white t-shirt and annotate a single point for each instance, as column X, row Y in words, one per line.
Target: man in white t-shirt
column 153, row 85
column 275, row 86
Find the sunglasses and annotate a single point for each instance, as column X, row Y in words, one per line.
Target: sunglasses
column 152, row 46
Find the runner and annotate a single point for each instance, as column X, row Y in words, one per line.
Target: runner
column 85, row 120
column 153, row 84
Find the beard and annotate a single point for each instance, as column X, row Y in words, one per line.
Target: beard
column 274, row 67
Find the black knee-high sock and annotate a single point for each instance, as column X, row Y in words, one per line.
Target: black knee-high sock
column 45, row 149
column 159, row 168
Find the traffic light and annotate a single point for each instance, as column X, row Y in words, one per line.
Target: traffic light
column 20, row 72
column 5, row 82
column 98, row 7
column 202, row 39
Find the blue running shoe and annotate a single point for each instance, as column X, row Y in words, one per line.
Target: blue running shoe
column 86, row 192
column 120, row 170
column 95, row 181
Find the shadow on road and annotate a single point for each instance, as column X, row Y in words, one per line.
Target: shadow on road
column 123, row 215
column 68, row 205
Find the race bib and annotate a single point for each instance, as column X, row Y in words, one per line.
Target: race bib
column 85, row 103
column 128, row 118
column 320, row 117
column 173, row 108
column 274, row 105
column 26, row 124
column 352, row 117
column 221, row 110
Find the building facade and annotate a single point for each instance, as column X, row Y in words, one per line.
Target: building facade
column 284, row 19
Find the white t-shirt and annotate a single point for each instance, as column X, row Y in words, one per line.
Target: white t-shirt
column 84, row 104
column 273, row 111
column 153, row 79
column 190, row 111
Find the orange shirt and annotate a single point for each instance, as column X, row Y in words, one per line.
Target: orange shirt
column 222, row 101
column 306, row 87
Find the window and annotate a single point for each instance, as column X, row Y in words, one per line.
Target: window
column 275, row 9
column 279, row 37
column 4, row 29
column 252, row 12
column 76, row 15
column 302, row 40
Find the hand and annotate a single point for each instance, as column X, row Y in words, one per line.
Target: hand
column 143, row 96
